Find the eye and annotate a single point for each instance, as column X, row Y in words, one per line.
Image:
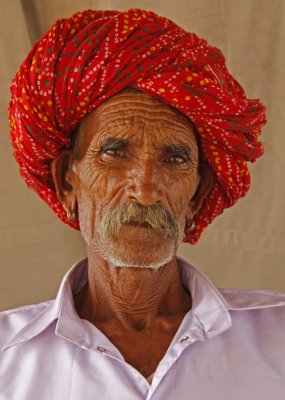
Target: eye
column 114, row 148
column 176, row 159
column 114, row 152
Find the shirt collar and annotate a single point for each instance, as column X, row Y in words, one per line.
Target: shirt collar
column 209, row 309
column 208, row 305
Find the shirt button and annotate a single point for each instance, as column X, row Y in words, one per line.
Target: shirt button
column 184, row 339
column 101, row 349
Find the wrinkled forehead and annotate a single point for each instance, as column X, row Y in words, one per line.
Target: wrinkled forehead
column 131, row 105
column 139, row 114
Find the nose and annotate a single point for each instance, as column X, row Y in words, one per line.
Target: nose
column 145, row 185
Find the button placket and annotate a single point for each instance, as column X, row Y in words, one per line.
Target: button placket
column 190, row 337
column 184, row 339
column 101, row 349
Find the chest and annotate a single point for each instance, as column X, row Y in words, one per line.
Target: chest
column 143, row 350
column 224, row 367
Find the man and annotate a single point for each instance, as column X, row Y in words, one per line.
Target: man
column 134, row 132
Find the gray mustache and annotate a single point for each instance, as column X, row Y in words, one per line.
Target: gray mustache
column 157, row 217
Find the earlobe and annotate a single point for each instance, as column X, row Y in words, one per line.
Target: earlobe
column 205, row 184
column 64, row 180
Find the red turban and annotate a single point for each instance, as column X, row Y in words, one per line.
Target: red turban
column 83, row 60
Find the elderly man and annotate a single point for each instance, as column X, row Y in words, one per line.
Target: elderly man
column 134, row 132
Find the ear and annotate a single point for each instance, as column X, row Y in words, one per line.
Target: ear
column 65, row 180
column 205, row 185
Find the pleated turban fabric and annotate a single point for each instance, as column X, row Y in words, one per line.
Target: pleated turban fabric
column 83, row 60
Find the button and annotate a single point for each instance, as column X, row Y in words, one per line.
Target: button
column 101, row 349
column 184, row 339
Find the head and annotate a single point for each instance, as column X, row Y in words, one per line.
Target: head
column 134, row 176
column 84, row 60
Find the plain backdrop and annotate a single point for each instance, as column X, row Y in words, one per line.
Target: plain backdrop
column 244, row 247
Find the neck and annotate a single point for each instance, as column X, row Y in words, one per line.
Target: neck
column 134, row 297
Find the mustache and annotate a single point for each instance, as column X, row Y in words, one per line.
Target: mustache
column 157, row 217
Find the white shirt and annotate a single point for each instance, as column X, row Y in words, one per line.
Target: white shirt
column 230, row 346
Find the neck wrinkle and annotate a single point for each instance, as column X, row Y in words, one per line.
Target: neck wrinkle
column 133, row 297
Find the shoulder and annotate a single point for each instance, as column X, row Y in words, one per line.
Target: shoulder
column 14, row 320
column 258, row 322
column 253, row 299
column 261, row 309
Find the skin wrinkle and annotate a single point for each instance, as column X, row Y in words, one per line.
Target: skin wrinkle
column 92, row 227
column 122, row 133
column 159, row 219
column 90, row 154
column 120, row 116
column 146, row 305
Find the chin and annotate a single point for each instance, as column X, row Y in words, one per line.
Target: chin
column 138, row 256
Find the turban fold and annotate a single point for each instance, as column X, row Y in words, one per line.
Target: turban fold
column 83, row 60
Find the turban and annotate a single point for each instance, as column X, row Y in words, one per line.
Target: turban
column 83, row 60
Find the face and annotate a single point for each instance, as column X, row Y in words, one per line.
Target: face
column 135, row 179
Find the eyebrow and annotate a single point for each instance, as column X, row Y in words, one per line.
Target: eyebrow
column 114, row 143
column 179, row 149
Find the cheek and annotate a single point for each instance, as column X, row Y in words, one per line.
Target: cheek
column 104, row 183
column 180, row 192
column 94, row 181
column 90, row 199
column 86, row 213
column 97, row 192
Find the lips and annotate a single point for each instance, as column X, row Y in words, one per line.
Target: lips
column 140, row 224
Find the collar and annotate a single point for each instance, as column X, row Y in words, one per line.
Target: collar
column 210, row 309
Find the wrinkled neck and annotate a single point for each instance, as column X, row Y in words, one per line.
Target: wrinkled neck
column 133, row 296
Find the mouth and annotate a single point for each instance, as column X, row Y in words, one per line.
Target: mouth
column 140, row 224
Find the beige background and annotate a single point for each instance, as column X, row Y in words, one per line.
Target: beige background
column 245, row 247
